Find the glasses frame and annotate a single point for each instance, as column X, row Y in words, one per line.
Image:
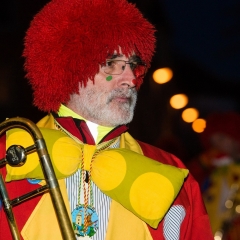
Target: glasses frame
column 138, row 63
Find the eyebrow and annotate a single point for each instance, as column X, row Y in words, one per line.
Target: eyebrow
column 133, row 58
column 113, row 56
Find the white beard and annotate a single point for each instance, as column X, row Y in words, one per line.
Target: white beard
column 102, row 108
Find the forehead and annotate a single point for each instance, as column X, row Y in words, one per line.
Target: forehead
column 119, row 54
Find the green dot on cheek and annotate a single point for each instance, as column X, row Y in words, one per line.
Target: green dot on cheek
column 109, row 78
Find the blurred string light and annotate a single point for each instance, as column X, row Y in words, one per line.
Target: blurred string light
column 218, row 235
column 199, row 125
column 179, row 101
column 162, row 75
column 190, row 115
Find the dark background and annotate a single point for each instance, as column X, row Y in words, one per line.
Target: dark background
column 199, row 40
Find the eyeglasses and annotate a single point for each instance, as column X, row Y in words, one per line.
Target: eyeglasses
column 116, row 67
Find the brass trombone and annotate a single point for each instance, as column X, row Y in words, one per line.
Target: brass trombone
column 16, row 156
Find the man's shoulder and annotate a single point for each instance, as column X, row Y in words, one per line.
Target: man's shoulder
column 160, row 155
column 46, row 122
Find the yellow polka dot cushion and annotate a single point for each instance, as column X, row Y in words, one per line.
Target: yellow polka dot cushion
column 144, row 186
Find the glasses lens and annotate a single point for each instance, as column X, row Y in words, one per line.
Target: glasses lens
column 114, row 67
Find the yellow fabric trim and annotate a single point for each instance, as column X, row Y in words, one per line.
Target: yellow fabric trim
column 67, row 112
column 47, row 122
column 102, row 131
column 43, row 224
column 128, row 142
column 124, row 225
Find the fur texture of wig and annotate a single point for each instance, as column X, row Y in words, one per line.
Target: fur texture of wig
column 68, row 39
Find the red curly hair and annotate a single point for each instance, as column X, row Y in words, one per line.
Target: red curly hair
column 68, row 39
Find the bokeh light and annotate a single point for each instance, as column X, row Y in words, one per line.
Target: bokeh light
column 179, row 101
column 162, row 75
column 190, row 114
column 199, row 125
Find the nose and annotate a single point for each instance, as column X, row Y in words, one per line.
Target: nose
column 127, row 79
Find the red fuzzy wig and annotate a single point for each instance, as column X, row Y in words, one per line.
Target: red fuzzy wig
column 68, row 39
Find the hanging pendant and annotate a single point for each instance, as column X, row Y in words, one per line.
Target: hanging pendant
column 78, row 221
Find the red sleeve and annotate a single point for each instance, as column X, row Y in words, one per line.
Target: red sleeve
column 15, row 189
column 196, row 224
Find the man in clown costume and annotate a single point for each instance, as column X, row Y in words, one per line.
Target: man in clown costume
column 86, row 60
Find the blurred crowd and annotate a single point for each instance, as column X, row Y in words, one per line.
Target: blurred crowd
column 217, row 169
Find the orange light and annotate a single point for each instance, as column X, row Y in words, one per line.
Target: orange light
column 179, row 101
column 162, row 75
column 199, row 125
column 190, row 114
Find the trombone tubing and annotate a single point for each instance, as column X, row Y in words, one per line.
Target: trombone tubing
column 47, row 168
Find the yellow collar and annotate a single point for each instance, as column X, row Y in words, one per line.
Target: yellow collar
column 97, row 131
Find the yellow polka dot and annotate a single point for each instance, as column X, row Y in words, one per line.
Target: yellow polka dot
column 66, row 155
column 109, row 169
column 150, row 195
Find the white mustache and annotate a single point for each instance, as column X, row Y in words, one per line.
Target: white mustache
column 127, row 93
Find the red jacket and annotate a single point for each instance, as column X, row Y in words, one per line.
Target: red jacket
column 187, row 212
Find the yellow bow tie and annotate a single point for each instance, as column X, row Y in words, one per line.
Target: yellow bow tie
column 144, row 186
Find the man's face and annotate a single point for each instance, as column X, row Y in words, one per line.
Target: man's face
column 110, row 100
